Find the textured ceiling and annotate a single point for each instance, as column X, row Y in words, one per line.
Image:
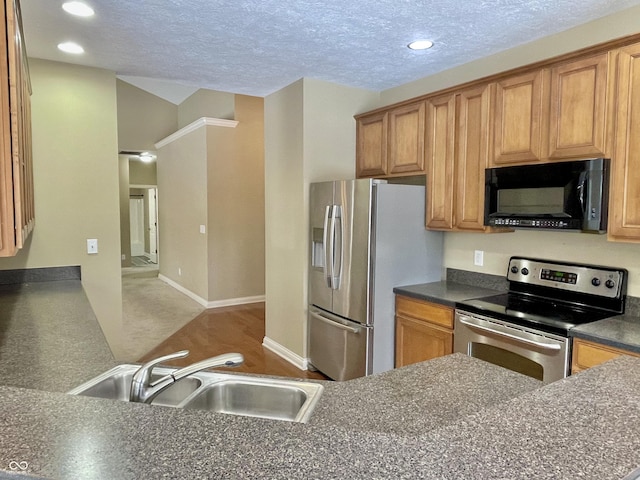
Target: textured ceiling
column 256, row 47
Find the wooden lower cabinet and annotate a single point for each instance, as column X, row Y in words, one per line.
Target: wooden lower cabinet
column 424, row 331
column 589, row 354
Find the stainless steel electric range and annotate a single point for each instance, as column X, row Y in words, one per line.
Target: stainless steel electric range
column 527, row 328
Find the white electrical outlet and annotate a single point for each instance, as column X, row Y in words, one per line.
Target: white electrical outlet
column 92, row 246
column 123, row 257
column 478, row 258
column 202, row 229
column 179, row 271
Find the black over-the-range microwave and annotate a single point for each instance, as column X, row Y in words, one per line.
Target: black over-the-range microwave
column 570, row 195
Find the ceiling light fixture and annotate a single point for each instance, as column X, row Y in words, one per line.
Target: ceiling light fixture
column 78, row 8
column 420, row 45
column 71, row 47
column 146, row 157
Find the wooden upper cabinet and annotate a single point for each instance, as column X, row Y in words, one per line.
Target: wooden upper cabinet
column 624, row 201
column 458, row 146
column 391, row 142
column 518, row 119
column 406, row 139
column 473, row 138
column 580, row 109
column 371, row 148
column 17, row 212
column 440, row 151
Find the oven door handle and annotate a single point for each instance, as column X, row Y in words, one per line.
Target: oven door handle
column 549, row 346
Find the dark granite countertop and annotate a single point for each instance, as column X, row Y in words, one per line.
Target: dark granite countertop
column 444, row 292
column 450, row 418
column 50, row 338
column 581, row 427
column 622, row 332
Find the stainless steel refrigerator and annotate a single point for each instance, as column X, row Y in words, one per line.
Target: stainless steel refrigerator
column 367, row 236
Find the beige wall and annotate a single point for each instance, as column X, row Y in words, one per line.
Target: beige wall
column 75, row 153
column 182, row 208
column 143, row 118
column 206, row 103
column 236, row 204
column 214, row 177
column 285, row 231
column 141, row 173
column 309, row 137
column 123, row 188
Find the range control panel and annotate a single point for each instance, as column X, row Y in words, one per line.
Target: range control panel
column 589, row 279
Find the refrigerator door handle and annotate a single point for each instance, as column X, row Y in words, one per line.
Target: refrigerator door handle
column 337, row 247
column 334, row 323
column 328, row 259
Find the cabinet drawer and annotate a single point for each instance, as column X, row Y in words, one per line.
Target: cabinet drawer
column 587, row 354
column 425, row 311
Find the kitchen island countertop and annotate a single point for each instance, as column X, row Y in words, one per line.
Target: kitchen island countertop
column 581, row 427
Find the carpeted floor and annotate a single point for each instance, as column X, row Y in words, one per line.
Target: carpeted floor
column 151, row 310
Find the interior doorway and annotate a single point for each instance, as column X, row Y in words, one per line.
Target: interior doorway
column 143, row 225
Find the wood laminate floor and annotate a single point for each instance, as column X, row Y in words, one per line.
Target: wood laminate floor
column 225, row 330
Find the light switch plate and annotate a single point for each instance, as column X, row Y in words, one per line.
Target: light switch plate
column 92, row 246
column 202, row 229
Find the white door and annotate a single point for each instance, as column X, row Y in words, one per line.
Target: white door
column 136, row 226
column 153, row 225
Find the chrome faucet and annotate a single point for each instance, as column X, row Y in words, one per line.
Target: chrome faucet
column 143, row 391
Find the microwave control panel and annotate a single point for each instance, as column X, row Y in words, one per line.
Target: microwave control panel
column 529, row 223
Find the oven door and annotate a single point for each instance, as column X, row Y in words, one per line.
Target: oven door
column 537, row 354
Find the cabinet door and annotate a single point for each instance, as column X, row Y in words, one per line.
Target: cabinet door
column 624, row 202
column 473, row 136
column 16, row 177
column 406, row 139
column 579, row 114
column 371, row 150
column 417, row 341
column 7, row 231
column 440, row 151
column 518, row 119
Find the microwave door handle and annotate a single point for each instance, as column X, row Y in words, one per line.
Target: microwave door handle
column 581, row 188
column 549, row 346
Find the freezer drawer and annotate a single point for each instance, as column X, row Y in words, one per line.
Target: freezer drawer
column 337, row 347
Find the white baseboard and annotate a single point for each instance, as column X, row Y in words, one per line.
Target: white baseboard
column 288, row 355
column 216, row 303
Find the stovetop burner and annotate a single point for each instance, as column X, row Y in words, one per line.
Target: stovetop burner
column 553, row 296
column 538, row 313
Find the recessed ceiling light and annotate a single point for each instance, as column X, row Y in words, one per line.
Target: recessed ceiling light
column 78, row 8
column 420, row 45
column 70, row 47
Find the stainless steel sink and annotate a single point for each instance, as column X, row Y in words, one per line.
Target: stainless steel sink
column 115, row 384
column 265, row 397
